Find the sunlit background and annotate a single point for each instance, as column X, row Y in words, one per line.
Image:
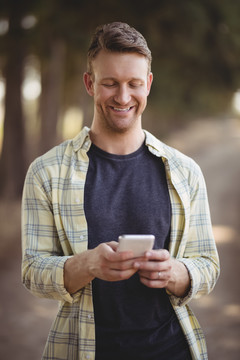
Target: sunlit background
column 72, row 122
column 195, row 63
column 31, row 89
column 194, row 106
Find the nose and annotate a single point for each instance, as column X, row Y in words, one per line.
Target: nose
column 122, row 95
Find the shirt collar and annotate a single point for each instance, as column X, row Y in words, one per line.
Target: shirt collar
column 155, row 146
column 82, row 140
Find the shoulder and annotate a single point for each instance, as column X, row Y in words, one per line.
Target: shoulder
column 61, row 155
column 175, row 158
column 182, row 171
column 51, row 160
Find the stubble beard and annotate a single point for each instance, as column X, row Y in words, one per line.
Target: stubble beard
column 118, row 125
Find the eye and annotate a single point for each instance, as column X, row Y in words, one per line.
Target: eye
column 135, row 84
column 109, row 85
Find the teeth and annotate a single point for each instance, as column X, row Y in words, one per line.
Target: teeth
column 117, row 109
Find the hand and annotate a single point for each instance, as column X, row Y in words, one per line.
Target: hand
column 107, row 264
column 103, row 262
column 163, row 271
column 156, row 272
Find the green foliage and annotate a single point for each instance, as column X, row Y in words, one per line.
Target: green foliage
column 195, row 44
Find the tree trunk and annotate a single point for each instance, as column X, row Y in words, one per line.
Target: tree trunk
column 12, row 162
column 52, row 86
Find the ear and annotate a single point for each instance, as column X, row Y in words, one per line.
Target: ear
column 149, row 81
column 88, row 82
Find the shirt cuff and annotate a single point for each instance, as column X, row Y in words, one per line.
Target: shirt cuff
column 59, row 283
column 182, row 301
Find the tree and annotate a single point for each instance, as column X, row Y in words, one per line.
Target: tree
column 12, row 162
column 52, row 72
column 195, row 46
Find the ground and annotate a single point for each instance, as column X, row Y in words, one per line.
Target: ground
column 215, row 145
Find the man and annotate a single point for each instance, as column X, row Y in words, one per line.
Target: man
column 115, row 179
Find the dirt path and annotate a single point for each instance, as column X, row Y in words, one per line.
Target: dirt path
column 25, row 320
column 216, row 148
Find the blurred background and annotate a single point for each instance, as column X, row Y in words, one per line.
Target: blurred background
column 194, row 106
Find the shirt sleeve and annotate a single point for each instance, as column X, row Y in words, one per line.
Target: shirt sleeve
column 198, row 250
column 42, row 255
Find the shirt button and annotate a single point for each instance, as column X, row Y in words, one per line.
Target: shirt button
column 88, row 356
column 77, row 200
column 81, row 237
column 89, row 316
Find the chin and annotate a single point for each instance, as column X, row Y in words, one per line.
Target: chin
column 121, row 129
column 123, row 125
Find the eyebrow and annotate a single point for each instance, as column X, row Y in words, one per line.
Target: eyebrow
column 114, row 79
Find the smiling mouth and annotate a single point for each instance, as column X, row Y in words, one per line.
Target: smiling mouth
column 121, row 109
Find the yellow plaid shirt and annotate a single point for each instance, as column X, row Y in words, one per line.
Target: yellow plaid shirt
column 54, row 227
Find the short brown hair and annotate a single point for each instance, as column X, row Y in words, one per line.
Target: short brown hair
column 117, row 37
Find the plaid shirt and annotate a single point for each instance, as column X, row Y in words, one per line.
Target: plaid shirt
column 54, row 228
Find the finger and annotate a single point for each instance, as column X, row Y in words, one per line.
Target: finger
column 151, row 266
column 122, row 265
column 157, row 284
column 113, row 245
column 117, row 275
column 159, row 254
column 153, row 275
column 111, row 254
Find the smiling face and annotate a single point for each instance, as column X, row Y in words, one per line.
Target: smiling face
column 119, row 84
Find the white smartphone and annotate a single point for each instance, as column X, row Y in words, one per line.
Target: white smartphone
column 139, row 244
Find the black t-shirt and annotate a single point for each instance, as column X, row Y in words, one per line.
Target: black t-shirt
column 128, row 194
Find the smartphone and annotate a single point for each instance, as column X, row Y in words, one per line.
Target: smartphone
column 138, row 244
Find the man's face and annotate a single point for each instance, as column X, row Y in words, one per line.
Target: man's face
column 120, row 84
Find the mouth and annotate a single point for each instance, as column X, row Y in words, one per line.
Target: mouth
column 121, row 110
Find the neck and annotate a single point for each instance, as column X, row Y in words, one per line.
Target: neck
column 118, row 143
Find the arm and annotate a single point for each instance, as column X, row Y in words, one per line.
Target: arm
column 102, row 262
column 194, row 269
column 198, row 252
column 46, row 272
column 162, row 271
column 42, row 255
